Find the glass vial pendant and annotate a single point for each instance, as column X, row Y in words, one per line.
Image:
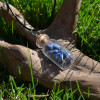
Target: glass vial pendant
column 58, row 54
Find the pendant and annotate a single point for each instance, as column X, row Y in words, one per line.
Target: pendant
column 58, row 54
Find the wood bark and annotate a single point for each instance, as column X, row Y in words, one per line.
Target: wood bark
column 66, row 20
column 84, row 70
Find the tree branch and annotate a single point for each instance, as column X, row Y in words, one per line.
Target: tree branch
column 15, row 56
column 66, row 20
column 7, row 15
column 84, row 70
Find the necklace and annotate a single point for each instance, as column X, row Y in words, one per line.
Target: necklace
column 58, row 54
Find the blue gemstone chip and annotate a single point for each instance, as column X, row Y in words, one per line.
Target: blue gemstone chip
column 59, row 53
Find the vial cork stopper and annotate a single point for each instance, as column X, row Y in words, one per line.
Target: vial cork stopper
column 42, row 39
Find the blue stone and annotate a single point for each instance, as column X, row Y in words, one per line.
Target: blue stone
column 55, row 46
column 57, row 54
column 68, row 62
column 61, row 51
column 60, row 55
column 53, row 51
column 49, row 47
column 64, row 55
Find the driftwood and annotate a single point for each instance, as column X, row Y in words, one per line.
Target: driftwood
column 84, row 70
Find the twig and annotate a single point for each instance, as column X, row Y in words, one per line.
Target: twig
column 39, row 95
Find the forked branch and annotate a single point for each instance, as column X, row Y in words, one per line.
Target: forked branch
column 84, row 70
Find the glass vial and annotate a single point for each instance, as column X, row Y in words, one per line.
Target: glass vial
column 58, row 54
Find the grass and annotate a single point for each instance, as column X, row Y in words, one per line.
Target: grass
column 34, row 11
column 88, row 29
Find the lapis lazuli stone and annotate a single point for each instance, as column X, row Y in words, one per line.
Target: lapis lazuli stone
column 55, row 46
column 53, row 51
column 58, row 52
column 49, row 47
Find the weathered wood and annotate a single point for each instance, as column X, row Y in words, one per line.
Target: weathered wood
column 85, row 70
column 7, row 15
column 66, row 20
